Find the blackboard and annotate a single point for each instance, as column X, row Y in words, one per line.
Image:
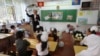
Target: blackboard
column 59, row 15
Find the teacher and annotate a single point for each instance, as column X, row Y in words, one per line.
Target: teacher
column 35, row 19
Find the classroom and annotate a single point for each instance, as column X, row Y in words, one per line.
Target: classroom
column 49, row 27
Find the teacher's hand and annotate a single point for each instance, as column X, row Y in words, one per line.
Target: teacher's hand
column 26, row 9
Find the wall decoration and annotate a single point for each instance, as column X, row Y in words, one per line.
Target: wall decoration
column 76, row 2
column 90, row 15
column 40, row 4
column 80, row 13
column 82, row 21
column 59, row 15
column 69, row 17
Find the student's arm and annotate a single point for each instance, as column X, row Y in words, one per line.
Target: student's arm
column 27, row 43
column 12, row 32
column 84, row 41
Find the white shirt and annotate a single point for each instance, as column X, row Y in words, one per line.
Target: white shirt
column 39, row 50
column 35, row 17
column 93, row 43
column 13, row 31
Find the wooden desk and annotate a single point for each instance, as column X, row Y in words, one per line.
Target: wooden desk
column 52, row 44
column 78, row 49
column 4, row 42
column 49, row 39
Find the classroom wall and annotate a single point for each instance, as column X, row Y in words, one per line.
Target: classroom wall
column 61, row 26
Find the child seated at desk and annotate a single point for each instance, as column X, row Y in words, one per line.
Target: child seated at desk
column 22, row 45
column 4, row 29
column 53, row 33
column 42, row 46
column 39, row 29
column 13, row 29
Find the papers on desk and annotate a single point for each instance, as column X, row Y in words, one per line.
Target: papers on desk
column 2, row 36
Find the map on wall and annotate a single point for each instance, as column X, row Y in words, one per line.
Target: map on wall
column 59, row 15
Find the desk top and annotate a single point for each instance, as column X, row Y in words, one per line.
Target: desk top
column 52, row 44
column 2, row 36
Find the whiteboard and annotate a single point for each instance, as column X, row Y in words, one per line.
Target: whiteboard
column 90, row 15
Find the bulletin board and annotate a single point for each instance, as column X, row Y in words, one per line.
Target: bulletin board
column 87, row 17
column 59, row 15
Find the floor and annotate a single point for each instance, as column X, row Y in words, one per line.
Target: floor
column 68, row 49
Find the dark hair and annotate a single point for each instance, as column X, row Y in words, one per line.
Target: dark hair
column 54, row 31
column 40, row 29
column 19, row 34
column 44, row 44
column 12, row 26
column 39, row 37
column 54, row 34
column 55, row 37
column 18, row 25
column 68, row 25
column 92, row 32
column 3, row 25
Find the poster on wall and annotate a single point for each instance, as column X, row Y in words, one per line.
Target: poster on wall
column 48, row 16
column 82, row 21
column 69, row 17
column 54, row 16
column 57, row 15
column 80, row 13
column 76, row 2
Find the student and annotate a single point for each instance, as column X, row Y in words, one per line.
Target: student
column 42, row 46
column 4, row 29
column 53, row 34
column 70, row 28
column 19, row 27
column 93, row 43
column 13, row 29
column 22, row 45
column 23, row 21
column 39, row 29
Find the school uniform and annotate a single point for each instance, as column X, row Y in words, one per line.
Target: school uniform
column 93, row 43
column 21, row 46
column 40, row 52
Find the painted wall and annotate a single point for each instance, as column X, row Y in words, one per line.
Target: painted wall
column 61, row 26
